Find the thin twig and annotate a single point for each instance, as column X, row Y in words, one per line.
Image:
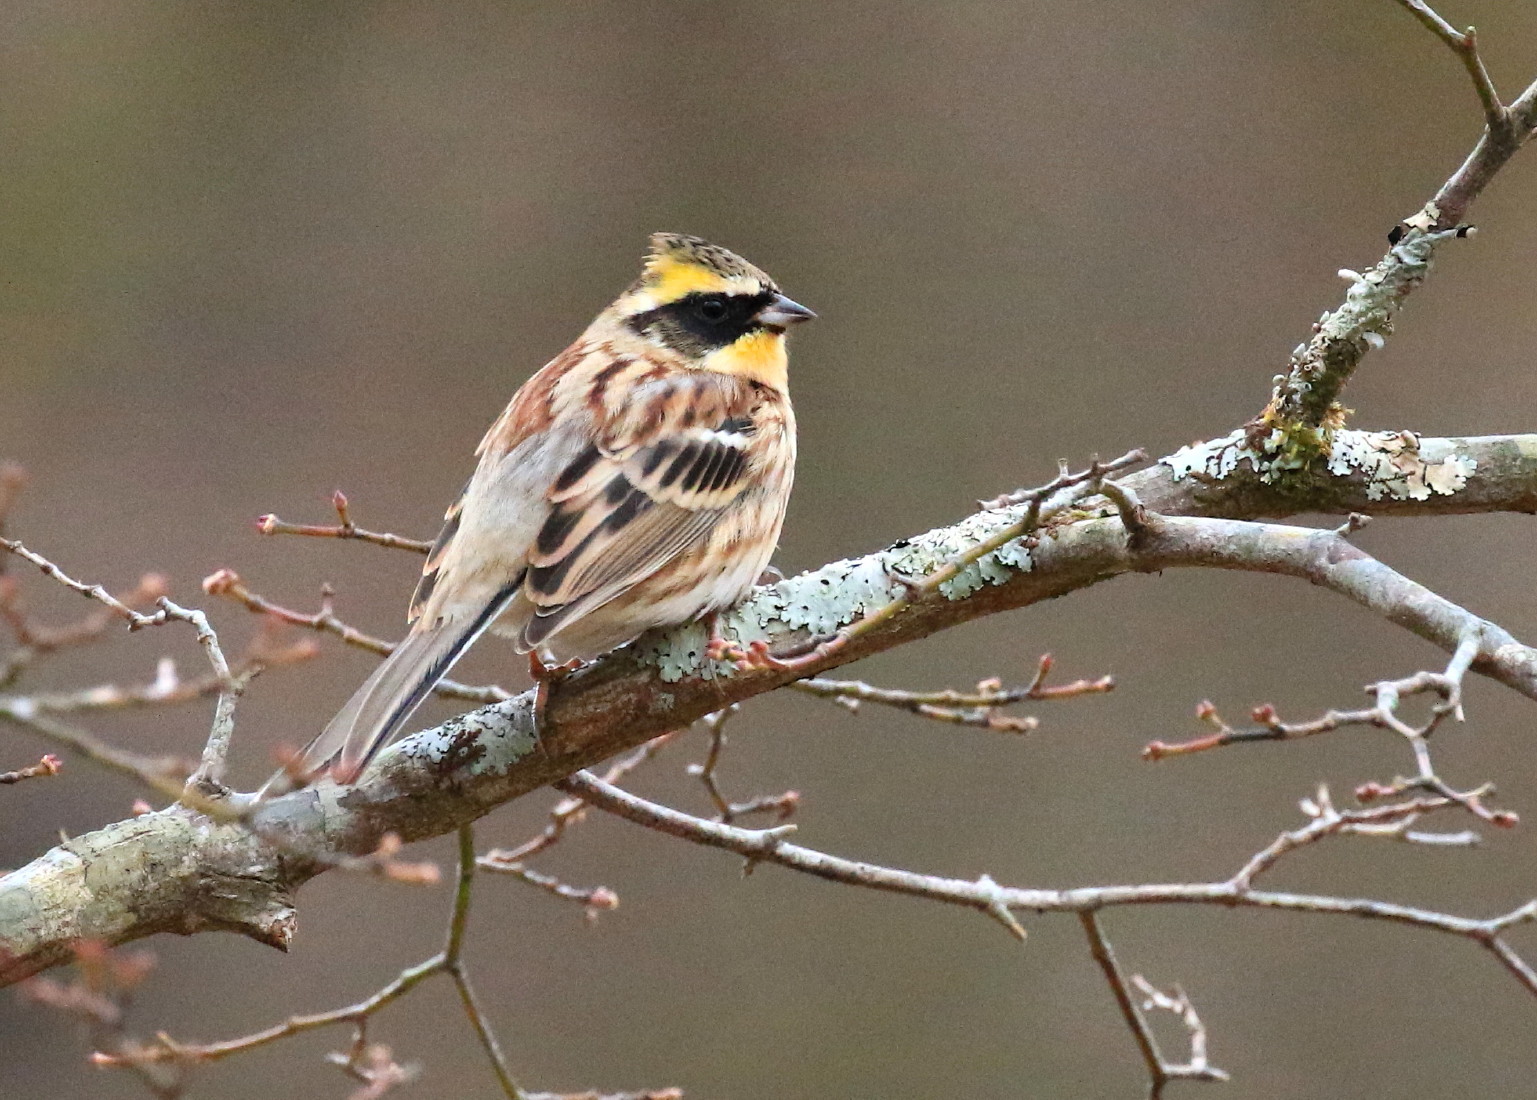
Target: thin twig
column 36, row 641
column 226, row 582
column 1394, row 822
column 134, row 619
column 569, row 811
column 48, row 765
column 782, row 806
column 1147, row 1043
column 1042, row 504
column 594, row 900
column 1384, row 715
column 344, row 529
column 449, row 960
column 207, row 776
column 1465, row 45
column 164, row 774
column 1180, row 1006
column 987, row 896
column 453, row 963
column 979, row 708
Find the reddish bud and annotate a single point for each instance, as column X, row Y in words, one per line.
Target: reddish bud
column 220, row 582
column 1370, row 792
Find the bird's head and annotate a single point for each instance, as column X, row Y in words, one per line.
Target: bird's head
column 712, row 307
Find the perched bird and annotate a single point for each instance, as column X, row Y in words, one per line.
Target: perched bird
column 638, row 480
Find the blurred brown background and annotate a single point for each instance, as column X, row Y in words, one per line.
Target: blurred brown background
column 255, row 252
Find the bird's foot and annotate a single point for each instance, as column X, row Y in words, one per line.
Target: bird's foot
column 545, row 676
column 801, row 658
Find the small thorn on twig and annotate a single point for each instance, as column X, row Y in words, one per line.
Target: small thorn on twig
column 997, row 909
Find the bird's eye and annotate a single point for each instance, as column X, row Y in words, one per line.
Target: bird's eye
column 712, row 311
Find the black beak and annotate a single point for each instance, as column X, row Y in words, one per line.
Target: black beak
column 782, row 312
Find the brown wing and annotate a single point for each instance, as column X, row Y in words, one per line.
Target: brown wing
column 628, row 505
column 531, row 411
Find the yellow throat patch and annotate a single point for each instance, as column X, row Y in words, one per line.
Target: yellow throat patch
column 757, row 357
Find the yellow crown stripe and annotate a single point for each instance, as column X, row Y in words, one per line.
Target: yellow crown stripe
column 671, row 279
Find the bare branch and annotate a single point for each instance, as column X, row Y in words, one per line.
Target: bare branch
column 1227, row 477
column 980, row 707
column 35, row 641
column 344, row 529
column 987, row 896
column 361, row 1061
column 134, row 619
column 48, row 765
column 782, row 806
column 1394, row 822
column 226, row 582
column 567, row 812
column 1159, row 1071
column 163, row 774
column 445, row 777
column 1385, row 715
column 100, row 997
column 453, row 963
column 1465, row 45
column 211, row 768
column 594, row 900
column 1179, row 1004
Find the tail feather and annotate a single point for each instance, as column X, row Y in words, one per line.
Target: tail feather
column 388, row 698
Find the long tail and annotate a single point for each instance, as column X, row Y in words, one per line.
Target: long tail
column 387, row 698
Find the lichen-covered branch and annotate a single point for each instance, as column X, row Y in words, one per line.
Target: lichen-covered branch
column 442, row 778
column 1304, row 406
column 217, row 860
column 448, row 960
column 1372, row 473
column 169, row 871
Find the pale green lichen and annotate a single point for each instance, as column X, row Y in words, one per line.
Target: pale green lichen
column 1395, row 467
column 505, row 730
column 1307, row 395
column 841, row 592
column 1392, row 463
column 1214, row 459
column 1277, row 457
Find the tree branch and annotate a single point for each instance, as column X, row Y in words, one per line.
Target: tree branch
column 442, row 778
column 1304, row 405
column 988, row 897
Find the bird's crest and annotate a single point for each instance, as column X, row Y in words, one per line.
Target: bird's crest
column 678, row 265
